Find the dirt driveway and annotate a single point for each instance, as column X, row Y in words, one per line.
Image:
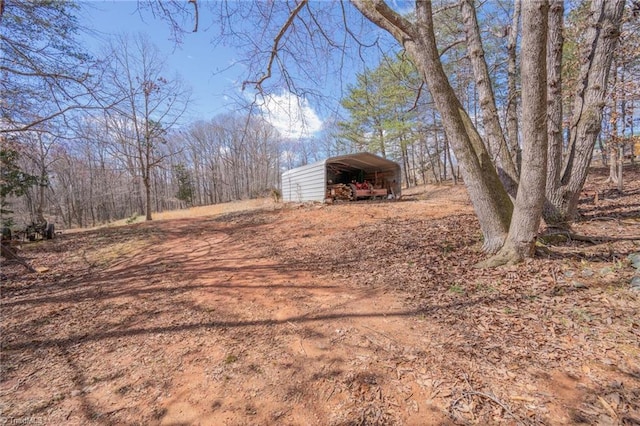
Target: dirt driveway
column 352, row 314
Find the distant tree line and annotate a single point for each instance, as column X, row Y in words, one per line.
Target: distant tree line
column 96, row 179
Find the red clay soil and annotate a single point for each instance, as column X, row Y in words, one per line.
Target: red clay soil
column 366, row 313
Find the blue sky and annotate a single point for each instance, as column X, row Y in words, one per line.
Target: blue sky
column 215, row 73
column 200, row 65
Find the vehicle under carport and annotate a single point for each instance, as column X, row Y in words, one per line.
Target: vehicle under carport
column 345, row 177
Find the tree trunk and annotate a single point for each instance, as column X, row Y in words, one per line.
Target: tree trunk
column 620, row 167
column 495, row 137
column 614, row 141
column 147, row 192
column 512, row 97
column 601, row 39
column 434, row 159
column 41, row 188
column 491, row 202
column 554, row 93
column 405, row 162
column 527, row 212
column 447, row 154
column 446, row 158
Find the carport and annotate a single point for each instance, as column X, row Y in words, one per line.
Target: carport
column 336, row 178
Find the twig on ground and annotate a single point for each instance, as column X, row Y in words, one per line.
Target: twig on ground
column 595, row 239
column 380, row 333
column 8, row 254
column 490, row 397
column 497, row 401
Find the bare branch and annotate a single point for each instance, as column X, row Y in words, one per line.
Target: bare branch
column 451, row 46
column 195, row 6
column 35, row 123
column 394, row 18
column 382, row 15
column 321, row 29
column 446, row 7
column 415, row 102
column 275, row 47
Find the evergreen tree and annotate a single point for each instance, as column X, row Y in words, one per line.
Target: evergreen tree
column 14, row 182
column 186, row 190
column 381, row 107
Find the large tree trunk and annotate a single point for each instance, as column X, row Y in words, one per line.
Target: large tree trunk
column 512, row 96
column 554, row 93
column 527, row 211
column 601, row 39
column 613, row 142
column 490, row 200
column 497, row 143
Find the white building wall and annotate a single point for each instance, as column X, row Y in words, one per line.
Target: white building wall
column 306, row 183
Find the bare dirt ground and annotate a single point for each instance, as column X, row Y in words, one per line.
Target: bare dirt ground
column 365, row 313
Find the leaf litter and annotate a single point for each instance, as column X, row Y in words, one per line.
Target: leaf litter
column 352, row 314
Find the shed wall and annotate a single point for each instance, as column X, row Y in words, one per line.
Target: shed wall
column 307, row 183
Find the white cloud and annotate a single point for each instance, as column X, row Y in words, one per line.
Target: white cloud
column 291, row 115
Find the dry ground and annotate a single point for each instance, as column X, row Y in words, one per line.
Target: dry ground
column 363, row 313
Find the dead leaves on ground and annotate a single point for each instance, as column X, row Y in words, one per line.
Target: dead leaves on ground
column 555, row 340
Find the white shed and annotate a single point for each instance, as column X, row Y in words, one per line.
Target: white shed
column 313, row 181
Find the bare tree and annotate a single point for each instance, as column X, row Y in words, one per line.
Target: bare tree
column 554, row 93
column 232, row 157
column 39, row 150
column 153, row 103
column 623, row 95
column 45, row 76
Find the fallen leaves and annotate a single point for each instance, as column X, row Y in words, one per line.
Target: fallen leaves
column 109, row 330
